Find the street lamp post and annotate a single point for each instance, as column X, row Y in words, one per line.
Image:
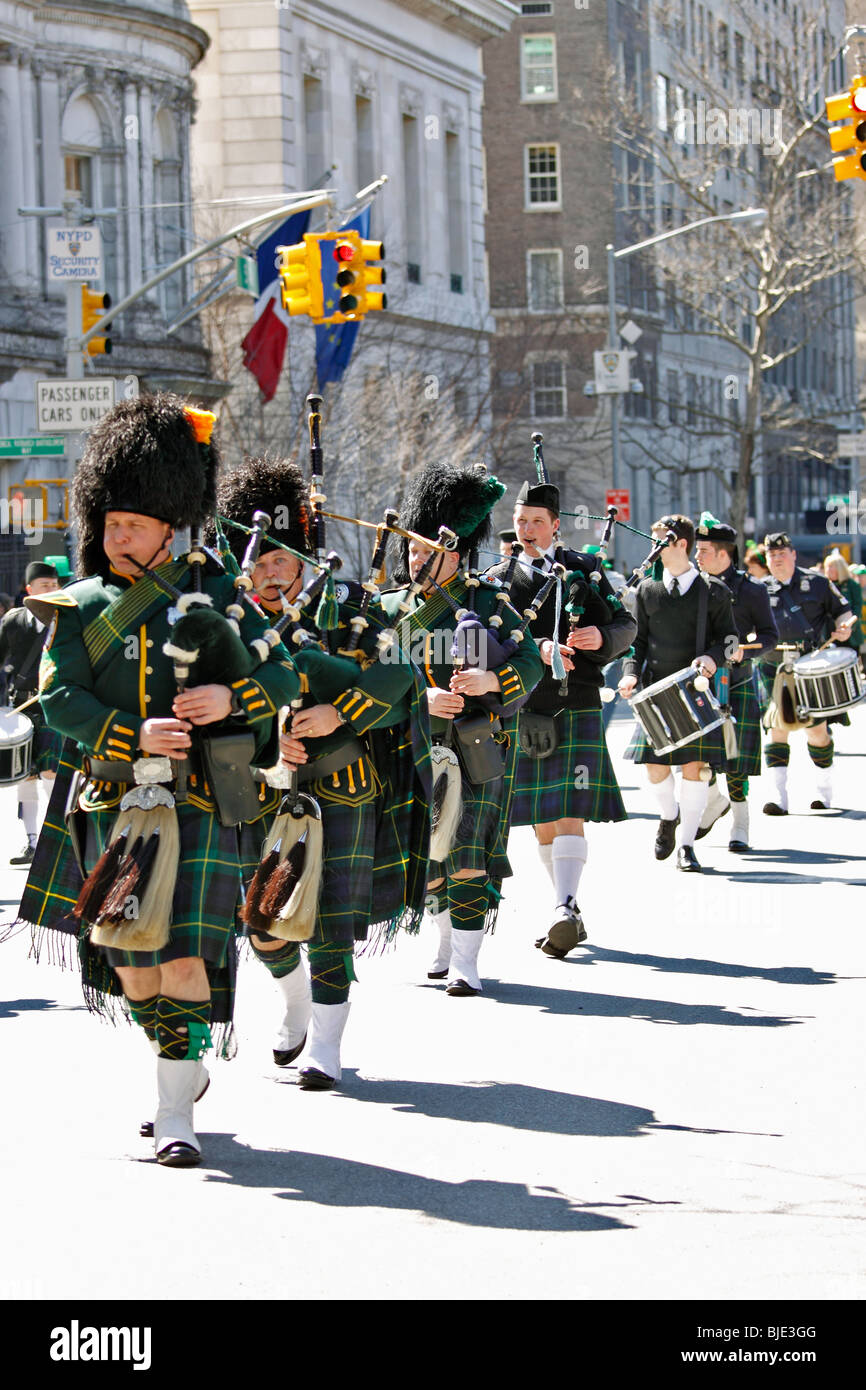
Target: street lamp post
column 749, row 214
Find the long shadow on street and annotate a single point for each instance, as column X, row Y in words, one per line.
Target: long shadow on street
column 342, row 1182
column 689, row 965
column 569, row 1001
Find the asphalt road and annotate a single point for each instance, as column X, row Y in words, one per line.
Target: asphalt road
column 674, row 1112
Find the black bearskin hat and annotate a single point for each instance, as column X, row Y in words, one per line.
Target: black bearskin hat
column 142, row 457
column 271, row 485
column 459, row 498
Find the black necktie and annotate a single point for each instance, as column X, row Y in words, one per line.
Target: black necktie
column 539, row 564
column 675, row 588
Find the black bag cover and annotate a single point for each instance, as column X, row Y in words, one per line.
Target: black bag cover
column 481, row 757
column 226, row 757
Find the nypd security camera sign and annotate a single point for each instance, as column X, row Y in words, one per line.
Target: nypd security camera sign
column 74, row 254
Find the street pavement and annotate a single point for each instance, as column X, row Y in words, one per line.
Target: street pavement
column 674, row 1112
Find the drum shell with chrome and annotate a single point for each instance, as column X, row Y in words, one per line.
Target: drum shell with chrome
column 828, row 681
column 16, row 746
column 672, row 713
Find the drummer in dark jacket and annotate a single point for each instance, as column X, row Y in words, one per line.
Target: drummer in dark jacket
column 716, row 553
column 575, row 782
column 22, row 636
column 808, row 610
column 669, row 640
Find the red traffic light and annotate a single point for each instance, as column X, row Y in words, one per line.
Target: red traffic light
column 344, row 251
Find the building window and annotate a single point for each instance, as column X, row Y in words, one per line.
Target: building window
column 538, row 67
column 544, row 280
column 663, row 100
column 314, row 132
column 691, row 399
column 542, row 176
column 673, row 396
column 89, row 170
column 412, row 199
column 548, row 389
column 168, row 217
column 365, row 171
column 456, row 212
column 537, row 7
column 78, row 170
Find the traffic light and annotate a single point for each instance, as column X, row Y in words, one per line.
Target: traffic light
column 355, row 274
column 93, row 307
column 301, row 278
column 841, row 107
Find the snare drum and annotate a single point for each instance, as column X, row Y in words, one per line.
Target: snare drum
column 16, row 746
column 672, row 713
column 828, row 682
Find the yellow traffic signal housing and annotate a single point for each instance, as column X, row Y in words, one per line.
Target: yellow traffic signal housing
column 93, row 307
column 301, row 278
column 373, row 275
column 842, row 107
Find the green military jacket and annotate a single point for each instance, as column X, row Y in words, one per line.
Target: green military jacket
column 102, row 675
column 424, row 634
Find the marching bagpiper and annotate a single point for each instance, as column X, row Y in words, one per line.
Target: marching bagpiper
column 716, row 553
column 564, row 775
column 473, row 693
column 808, row 611
column 684, row 619
column 350, row 742
column 133, row 807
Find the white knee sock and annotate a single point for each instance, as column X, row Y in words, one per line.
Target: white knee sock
column 28, row 797
column 545, row 854
column 666, row 797
column 693, row 799
column 569, row 857
column 780, row 781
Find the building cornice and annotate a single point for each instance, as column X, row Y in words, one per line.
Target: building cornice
column 102, row 14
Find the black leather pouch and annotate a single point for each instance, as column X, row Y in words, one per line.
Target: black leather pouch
column 537, row 734
column 226, row 758
column 481, row 757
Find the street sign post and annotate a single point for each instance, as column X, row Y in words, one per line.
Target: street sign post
column 74, row 406
column 851, row 446
column 74, row 254
column 52, row 446
column 612, row 374
column 621, row 499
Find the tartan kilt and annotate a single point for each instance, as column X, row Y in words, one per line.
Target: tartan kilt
column 764, row 678
column 709, row 748
column 746, row 711
column 482, row 833
column 402, row 832
column 348, row 846
column 548, row 789
column 47, row 748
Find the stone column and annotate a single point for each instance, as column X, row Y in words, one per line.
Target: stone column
column 130, row 229
column 13, row 234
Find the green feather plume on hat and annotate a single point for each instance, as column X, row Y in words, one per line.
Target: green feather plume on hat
column 471, row 516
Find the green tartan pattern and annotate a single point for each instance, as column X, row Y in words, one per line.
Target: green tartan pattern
column 764, row 677
column 544, row 788
column 745, row 709
column 47, row 748
column 108, row 629
column 402, row 830
column 481, row 838
column 710, row 748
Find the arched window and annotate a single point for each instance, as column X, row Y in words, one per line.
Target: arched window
column 168, row 215
column 87, row 171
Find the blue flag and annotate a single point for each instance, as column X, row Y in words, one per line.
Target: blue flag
column 334, row 341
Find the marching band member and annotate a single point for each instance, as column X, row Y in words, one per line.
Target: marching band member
column 465, row 882
column 716, row 554
column 353, row 752
column 22, row 637
column 808, row 610
column 564, row 775
column 679, row 615
column 158, row 931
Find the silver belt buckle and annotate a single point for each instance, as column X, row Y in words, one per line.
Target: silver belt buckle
column 147, row 771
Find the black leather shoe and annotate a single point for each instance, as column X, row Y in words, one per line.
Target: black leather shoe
column 461, row 989
column 703, row 830
column 311, row 1079
column 738, row 847
column 282, row 1059
column 815, row 806
column 565, row 931
column 26, row 857
column 437, row 974
column 179, row 1156
column 687, row 862
column 772, row 808
column 666, row 837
